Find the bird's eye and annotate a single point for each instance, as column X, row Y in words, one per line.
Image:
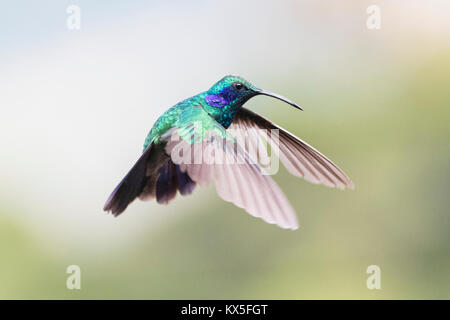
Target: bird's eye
column 238, row 85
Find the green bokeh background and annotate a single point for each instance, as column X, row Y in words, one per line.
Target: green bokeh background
column 376, row 102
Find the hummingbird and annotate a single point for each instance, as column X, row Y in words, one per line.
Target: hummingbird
column 163, row 170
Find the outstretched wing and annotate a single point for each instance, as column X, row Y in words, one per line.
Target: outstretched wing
column 154, row 175
column 300, row 159
column 203, row 149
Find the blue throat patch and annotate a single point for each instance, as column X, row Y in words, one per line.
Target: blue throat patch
column 225, row 97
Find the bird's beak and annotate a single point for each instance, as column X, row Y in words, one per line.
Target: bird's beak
column 276, row 96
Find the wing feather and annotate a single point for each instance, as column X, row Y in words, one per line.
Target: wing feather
column 298, row 157
column 237, row 177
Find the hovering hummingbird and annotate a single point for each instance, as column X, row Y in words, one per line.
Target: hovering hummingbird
column 159, row 173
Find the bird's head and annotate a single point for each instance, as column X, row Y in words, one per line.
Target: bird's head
column 231, row 92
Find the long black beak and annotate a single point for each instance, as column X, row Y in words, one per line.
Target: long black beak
column 276, row 96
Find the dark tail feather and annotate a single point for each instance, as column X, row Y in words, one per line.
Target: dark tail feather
column 166, row 186
column 130, row 186
column 185, row 183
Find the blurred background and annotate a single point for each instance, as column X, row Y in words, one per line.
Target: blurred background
column 76, row 106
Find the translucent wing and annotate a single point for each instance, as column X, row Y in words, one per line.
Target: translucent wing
column 202, row 148
column 300, row 159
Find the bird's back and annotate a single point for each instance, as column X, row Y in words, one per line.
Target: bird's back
column 168, row 119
